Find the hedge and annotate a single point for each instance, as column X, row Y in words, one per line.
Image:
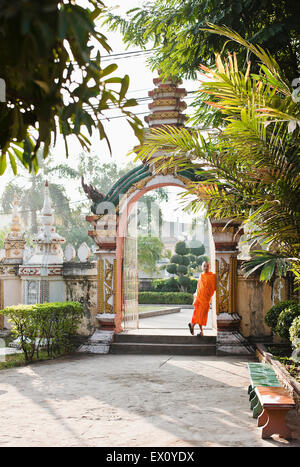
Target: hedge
column 271, row 317
column 173, row 285
column 295, row 333
column 51, row 325
column 166, row 298
column 286, row 319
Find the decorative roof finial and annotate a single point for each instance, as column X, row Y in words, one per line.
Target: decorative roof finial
column 167, row 103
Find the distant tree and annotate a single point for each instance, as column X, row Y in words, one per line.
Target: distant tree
column 3, row 233
column 183, row 264
column 149, row 252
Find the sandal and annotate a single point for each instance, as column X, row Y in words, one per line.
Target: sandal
column 191, row 329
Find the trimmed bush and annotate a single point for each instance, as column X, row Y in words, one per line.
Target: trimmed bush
column 173, row 284
column 286, row 319
column 51, row 325
column 181, row 248
column 271, row 317
column 295, row 333
column 166, row 298
column 177, row 259
column 181, row 269
column 172, row 268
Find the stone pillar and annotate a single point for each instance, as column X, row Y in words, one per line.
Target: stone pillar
column 226, row 236
column 104, row 235
column 106, row 288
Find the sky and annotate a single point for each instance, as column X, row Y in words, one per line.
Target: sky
column 120, row 134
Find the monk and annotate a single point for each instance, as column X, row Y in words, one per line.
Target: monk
column 202, row 297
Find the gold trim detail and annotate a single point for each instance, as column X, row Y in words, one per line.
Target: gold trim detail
column 100, row 286
column 232, row 283
column 1, row 303
column 108, row 286
column 115, row 286
column 217, row 285
column 223, row 287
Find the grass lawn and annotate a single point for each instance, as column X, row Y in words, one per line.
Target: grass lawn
column 15, row 360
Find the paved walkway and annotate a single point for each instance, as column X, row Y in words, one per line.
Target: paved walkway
column 132, row 400
column 171, row 324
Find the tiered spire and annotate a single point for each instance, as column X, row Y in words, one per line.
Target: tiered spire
column 14, row 243
column 48, row 241
column 167, row 105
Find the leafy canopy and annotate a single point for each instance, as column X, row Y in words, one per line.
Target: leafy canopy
column 252, row 165
column 50, row 60
column 177, row 31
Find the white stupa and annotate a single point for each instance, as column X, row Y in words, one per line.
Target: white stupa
column 47, row 241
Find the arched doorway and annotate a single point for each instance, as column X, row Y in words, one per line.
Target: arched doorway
column 110, row 216
column 110, row 230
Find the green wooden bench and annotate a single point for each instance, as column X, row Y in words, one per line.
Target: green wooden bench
column 261, row 374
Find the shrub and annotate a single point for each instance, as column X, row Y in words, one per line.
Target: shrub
column 198, row 251
column 184, row 281
column 167, row 298
column 286, row 319
column 181, row 269
column 181, row 248
column 165, row 285
column 50, row 324
column 177, row 259
column 295, row 333
column 272, row 315
column 172, row 268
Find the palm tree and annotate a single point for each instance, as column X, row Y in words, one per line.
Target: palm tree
column 252, row 163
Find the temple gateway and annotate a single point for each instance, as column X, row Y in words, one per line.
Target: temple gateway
column 107, row 286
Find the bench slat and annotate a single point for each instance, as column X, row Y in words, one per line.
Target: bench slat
column 272, row 397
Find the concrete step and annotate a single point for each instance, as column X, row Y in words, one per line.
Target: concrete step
column 162, row 348
column 162, row 339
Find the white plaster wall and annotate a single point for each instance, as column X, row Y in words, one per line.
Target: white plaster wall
column 12, row 294
column 57, row 291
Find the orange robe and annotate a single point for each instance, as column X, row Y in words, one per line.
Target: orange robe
column 205, row 290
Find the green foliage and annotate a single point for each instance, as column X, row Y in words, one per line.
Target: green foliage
column 271, row 317
column 176, row 259
column 55, row 82
column 165, row 285
column 48, row 324
column 170, row 298
column 182, row 269
column 184, row 263
column 3, row 233
column 286, row 319
column 268, row 263
column 173, row 284
column 295, row 333
column 184, row 281
column 250, row 168
column 198, row 251
column 178, row 31
column 149, row 252
column 181, row 249
column 172, row 268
